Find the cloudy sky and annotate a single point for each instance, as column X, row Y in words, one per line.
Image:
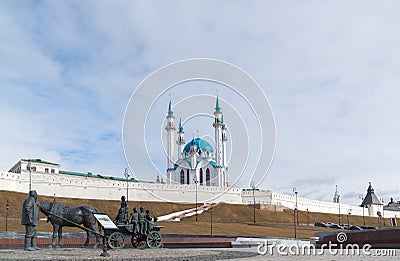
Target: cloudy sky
column 330, row 70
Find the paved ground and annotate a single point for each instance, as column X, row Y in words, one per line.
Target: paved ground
column 178, row 254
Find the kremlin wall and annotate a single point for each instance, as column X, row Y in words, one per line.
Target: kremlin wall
column 49, row 180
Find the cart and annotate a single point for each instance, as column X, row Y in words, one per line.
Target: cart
column 116, row 236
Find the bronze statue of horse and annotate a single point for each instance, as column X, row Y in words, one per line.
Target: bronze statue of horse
column 81, row 215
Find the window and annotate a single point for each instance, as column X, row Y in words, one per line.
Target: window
column 182, row 177
column 46, row 170
column 208, row 177
column 53, row 171
column 201, row 176
column 33, row 168
column 187, row 176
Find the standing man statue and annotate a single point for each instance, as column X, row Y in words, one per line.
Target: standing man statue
column 149, row 225
column 142, row 222
column 134, row 220
column 30, row 218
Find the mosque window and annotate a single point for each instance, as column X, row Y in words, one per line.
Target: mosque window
column 52, row 171
column 182, row 177
column 46, row 170
column 201, row 176
column 187, row 177
column 208, row 177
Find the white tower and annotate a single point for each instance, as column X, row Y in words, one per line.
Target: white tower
column 170, row 128
column 181, row 139
column 224, row 153
column 218, row 141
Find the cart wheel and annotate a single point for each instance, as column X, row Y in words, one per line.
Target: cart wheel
column 154, row 239
column 138, row 241
column 116, row 240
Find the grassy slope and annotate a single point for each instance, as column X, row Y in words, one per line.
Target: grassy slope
column 228, row 219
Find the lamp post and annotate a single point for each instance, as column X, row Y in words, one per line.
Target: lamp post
column 195, row 182
column 30, row 175
column 295, row 213
column 254, row 202
column 7, row 208
column 211, row 213
column 338, row 201
column 383, row 212
column 362, row 200
column 348, row 221
column 126, row 174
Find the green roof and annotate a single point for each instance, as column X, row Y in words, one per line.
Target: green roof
column 91, row 175
column 41, row 161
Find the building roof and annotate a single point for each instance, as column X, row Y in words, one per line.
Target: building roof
column 370, row 198
column 180, row 129
column 170, row 112
column 40, row 161
column 200, row 143
column 217, row 108
column 91, row 175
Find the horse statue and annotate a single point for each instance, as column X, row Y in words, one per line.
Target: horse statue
column 82, row 214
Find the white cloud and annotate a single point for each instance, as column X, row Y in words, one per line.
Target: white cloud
column 67, row 70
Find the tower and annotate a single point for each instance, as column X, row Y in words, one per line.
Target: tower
column 224, row 153
column 372, row 202
column 181, row 139
column 336, row 196
column 170, row 128
column 218, row 123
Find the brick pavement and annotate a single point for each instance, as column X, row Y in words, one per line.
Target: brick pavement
column 243, row 254
column 128, row 254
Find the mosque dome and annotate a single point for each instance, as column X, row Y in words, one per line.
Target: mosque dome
column 200, row 143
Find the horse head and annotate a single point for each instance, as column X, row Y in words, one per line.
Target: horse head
column 44, row 207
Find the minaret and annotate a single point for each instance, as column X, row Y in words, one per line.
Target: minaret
column 336, row 196
column 170, row 128
column 181, row 139
column 224, row 140
column 193, row 154
column 218, row 140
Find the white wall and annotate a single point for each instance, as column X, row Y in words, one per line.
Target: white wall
column 312, row 205
column 94, row 188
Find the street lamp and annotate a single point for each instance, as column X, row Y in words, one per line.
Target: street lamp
column 30, row 175
column 348, row 222
column 295, row 213
column 383, row 212
column 7, row 208
column 211, row 213
column 254, row 202
column 126, row 174
column 195, row 182
column 362, row 200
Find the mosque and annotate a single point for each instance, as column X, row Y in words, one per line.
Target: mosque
column 197, row 162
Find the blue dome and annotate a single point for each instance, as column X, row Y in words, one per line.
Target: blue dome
column 200, row 143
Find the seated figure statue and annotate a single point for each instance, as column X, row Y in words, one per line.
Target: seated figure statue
column 122, row 217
